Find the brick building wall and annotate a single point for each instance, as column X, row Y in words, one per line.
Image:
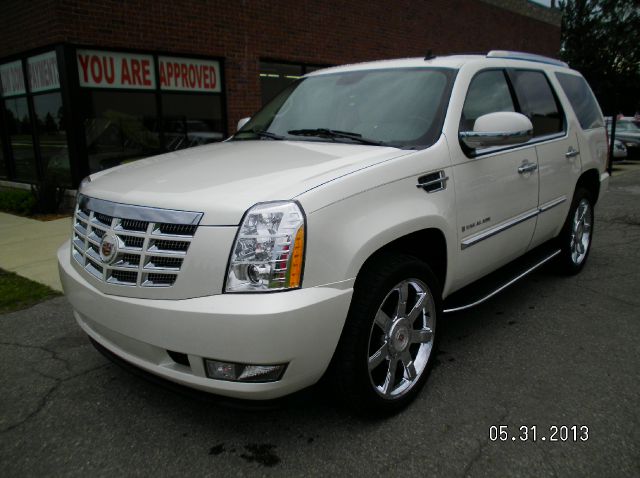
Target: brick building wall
column 305, row 31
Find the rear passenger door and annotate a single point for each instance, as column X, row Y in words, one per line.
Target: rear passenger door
column 557, row 149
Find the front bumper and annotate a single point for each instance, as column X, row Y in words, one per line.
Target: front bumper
column 300, row 328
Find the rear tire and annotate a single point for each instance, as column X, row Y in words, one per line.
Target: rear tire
column 577, row 234
column 388, row 342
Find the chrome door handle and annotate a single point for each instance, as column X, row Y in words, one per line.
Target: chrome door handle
column 527, row 167
column 571, row 153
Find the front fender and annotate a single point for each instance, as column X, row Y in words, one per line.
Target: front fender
column 343, row 235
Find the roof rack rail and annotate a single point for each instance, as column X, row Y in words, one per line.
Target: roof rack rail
column 519, row 55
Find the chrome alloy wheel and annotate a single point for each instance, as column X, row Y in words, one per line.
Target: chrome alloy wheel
column 401, row 338
column 581, row 231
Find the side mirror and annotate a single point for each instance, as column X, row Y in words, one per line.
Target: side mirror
column 498, row 129
column 242, row 122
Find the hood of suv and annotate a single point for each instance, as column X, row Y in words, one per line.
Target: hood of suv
column 225, row 179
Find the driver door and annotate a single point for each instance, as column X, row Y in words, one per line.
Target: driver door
column 496, row 188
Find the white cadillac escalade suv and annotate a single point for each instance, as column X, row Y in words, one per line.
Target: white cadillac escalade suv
column 336, row 227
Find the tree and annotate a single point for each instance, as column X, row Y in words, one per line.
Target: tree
column 601, row 39
column 12, row 123
column 50, row 125
column 25, row 125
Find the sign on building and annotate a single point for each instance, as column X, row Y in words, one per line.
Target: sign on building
column 12, row 79
column 104, row 69
column 43, row 72
column 186, row 74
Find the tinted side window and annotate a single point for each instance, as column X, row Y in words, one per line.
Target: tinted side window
column 537, row 101
column 582, row 100
column 488, row 93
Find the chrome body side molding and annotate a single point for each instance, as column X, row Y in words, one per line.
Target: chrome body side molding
column 486, row 234
column 512, row 222
column 551, row 204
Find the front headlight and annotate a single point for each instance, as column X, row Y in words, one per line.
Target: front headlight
column 268, row 252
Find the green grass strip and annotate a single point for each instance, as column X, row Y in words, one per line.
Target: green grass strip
column 19, row 293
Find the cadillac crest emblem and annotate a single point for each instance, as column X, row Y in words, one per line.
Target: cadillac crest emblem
column 108, row 248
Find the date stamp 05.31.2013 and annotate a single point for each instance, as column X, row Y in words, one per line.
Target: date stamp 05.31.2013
column 534, row 433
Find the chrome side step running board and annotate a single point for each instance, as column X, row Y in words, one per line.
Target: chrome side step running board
column 501, row 279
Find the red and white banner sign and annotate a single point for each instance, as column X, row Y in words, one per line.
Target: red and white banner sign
column 43, row 72
column 187, row 74
column 104, row 69
column 12, row 79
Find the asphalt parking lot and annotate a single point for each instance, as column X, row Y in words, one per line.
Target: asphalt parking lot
column 550, row 351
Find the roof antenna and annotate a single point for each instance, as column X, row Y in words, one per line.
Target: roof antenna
column 430, row 55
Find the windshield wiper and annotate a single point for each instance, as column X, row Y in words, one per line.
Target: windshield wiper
column 262, row 134
column 267, row 134
column 334, row 133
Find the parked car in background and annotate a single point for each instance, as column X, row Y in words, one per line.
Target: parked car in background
column 619, row 149
column 336, row 227
column 627, row 131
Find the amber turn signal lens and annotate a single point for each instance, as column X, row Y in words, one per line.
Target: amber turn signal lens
column 296, row 259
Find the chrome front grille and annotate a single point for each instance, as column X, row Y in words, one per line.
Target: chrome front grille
column 150, row 244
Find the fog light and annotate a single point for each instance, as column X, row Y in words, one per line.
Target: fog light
column 239, row 372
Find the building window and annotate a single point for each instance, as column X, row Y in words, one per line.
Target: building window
column 131, row 112
column 274, row 77
column 38, row 145
column 119, row 127
column 4, row 173
column 18, row 120
column 50, row 130
column 125, row 106
column 21, row 138
column 52, row 137
column 191, row 120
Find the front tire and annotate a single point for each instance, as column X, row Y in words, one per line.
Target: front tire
column 388, row 342
column 577, row 234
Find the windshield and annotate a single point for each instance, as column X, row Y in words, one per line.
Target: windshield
column 395, row 107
